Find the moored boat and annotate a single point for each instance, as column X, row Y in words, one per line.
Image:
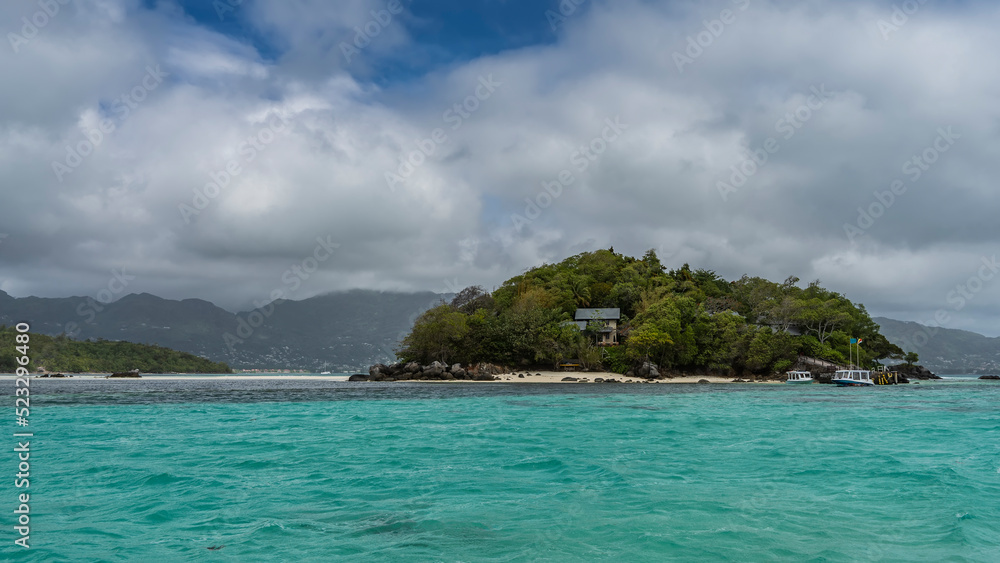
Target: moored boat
column 853, row 378
column 799, row 377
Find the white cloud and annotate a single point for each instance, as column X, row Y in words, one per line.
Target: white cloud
column 653, row 187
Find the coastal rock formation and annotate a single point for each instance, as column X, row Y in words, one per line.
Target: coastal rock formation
column 996, row 377
column 436, row 371
column 914, row 372
column 133, row 373
column 645, row 370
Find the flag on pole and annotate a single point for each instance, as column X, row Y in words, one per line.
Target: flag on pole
column 854, row 341
column 859, row 341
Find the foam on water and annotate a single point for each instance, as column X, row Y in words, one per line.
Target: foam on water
column 320, row 470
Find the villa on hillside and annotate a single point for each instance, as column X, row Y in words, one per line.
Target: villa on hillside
column 605, row 321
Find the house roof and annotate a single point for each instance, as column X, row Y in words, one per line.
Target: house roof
column 598, row 314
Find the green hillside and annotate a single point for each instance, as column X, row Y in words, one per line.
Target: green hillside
column 102, row 356
column 683, row 320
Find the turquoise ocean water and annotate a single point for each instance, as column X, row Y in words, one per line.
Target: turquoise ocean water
column 326, row 471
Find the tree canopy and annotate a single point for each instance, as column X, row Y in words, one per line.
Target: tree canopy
column 681, row 319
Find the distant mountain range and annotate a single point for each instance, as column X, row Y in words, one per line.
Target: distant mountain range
column 338, row 332
column 944, row 350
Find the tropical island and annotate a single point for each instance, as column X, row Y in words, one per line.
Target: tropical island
column 62, row 354
column 605, row 311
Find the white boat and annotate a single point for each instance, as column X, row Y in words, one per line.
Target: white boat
column 799, row 377
column 325, row 373
column 853, row 378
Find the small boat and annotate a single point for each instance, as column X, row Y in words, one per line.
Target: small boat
column 325, row 373
column 799, row 377
column 853, row 378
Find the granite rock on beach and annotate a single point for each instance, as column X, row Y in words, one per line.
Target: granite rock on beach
column 435, row 371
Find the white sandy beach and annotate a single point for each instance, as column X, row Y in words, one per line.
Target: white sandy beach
column 182, row 377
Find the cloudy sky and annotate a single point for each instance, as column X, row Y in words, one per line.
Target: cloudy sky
column 227, row 150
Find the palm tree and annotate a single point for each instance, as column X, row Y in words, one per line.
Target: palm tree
column 581, row 293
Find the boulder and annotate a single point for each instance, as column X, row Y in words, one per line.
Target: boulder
column 703, row 381
column 412, row 367
column 358, row 377
column 569, row 379
column 646, row 370
column 915, row 372
column 994, row 377
column 520, row 375
column 598, row 380
column 455, row 367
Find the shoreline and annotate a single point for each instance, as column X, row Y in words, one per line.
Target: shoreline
column 541, row 376
column 535, row 377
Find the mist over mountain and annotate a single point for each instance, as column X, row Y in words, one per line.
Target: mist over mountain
column 336, row 332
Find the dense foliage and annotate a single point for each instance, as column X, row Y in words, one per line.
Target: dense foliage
column 682, row 320
column 72, row 356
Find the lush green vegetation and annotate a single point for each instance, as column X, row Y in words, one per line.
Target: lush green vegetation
column 102, row 356
column 682, row 320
